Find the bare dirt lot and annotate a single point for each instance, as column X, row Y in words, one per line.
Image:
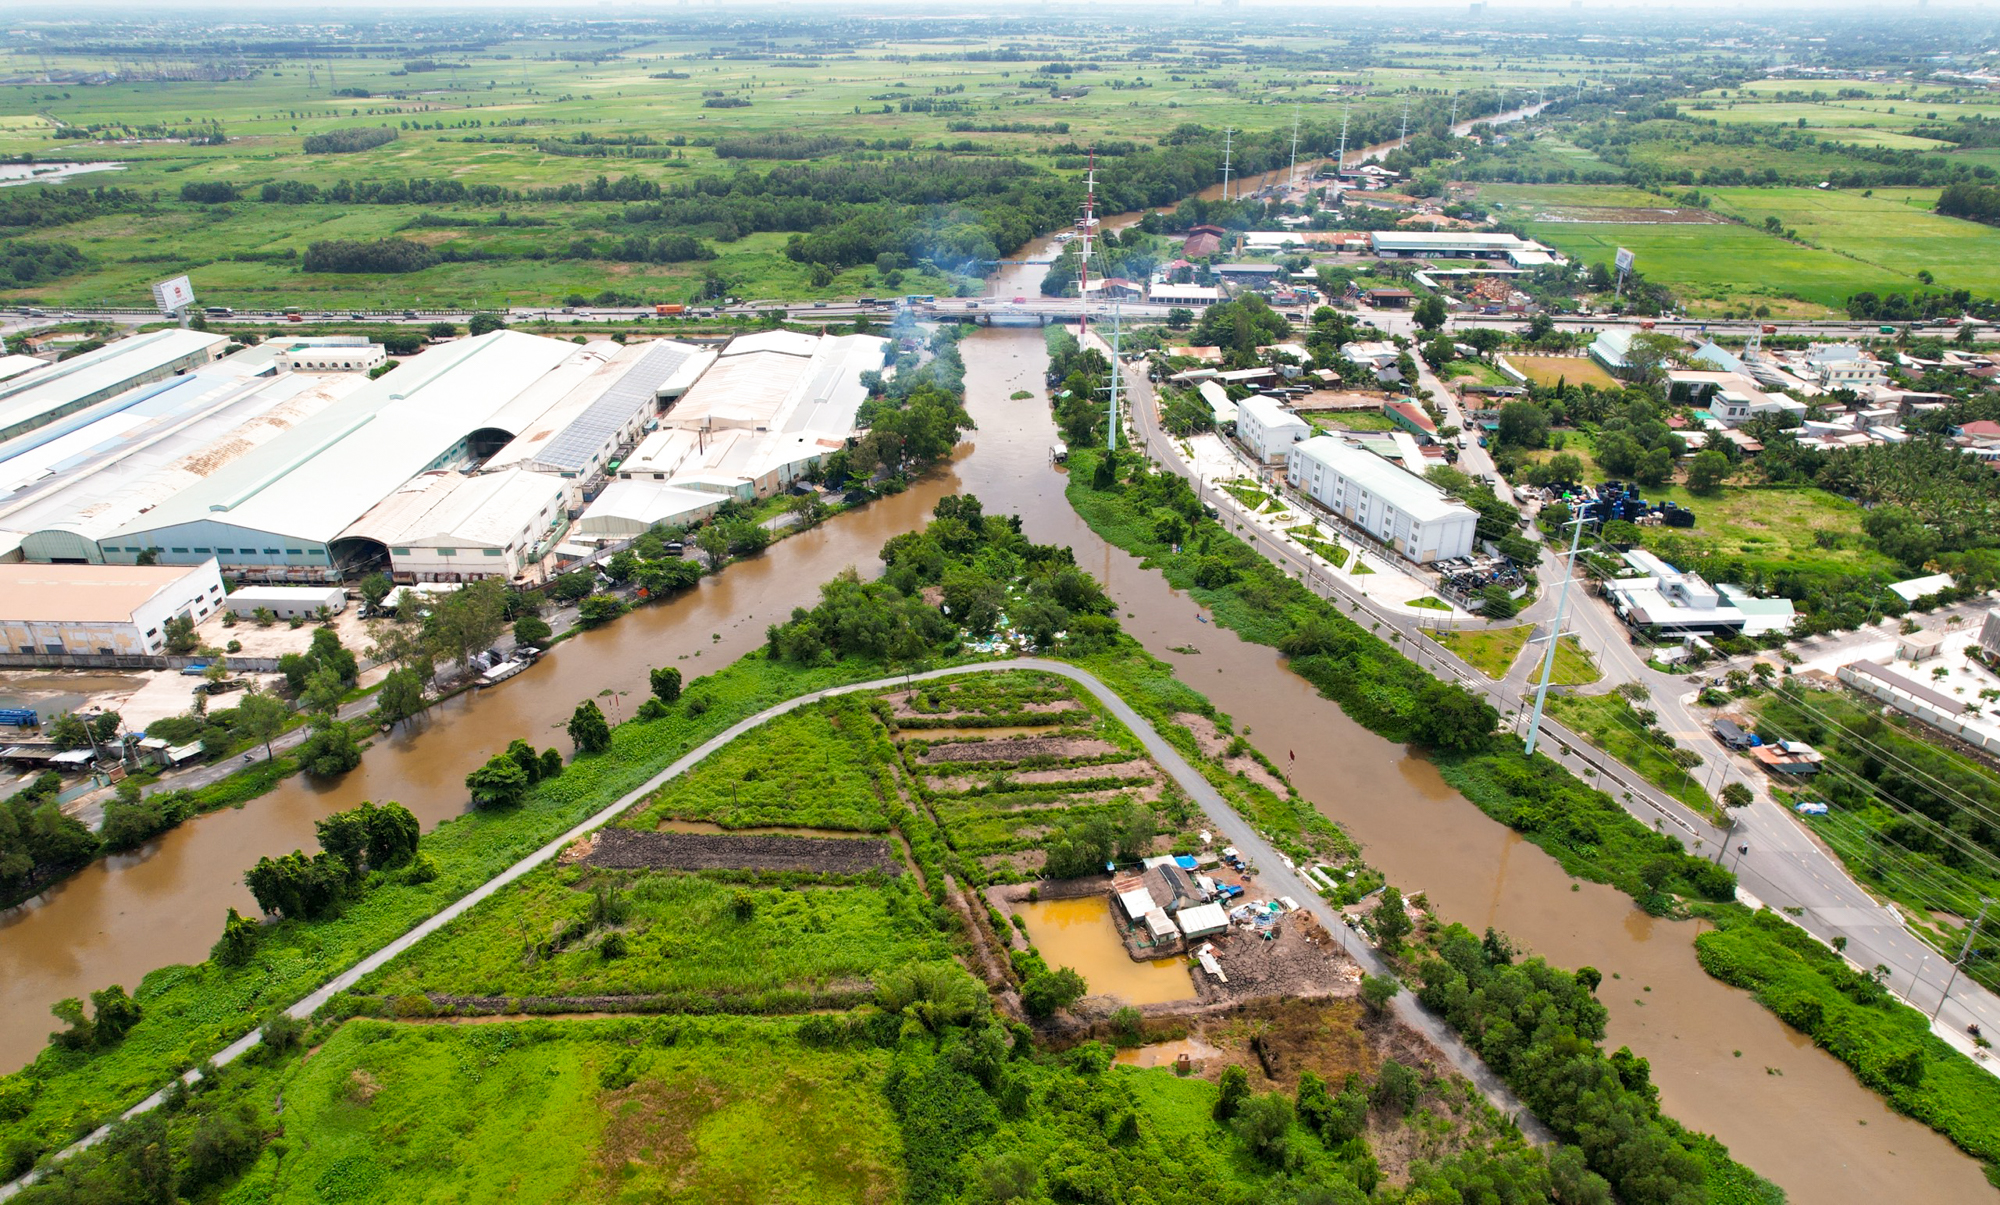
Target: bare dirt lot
column 626, row 849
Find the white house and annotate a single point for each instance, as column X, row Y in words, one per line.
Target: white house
column 1407, row 513
column 1267, row 429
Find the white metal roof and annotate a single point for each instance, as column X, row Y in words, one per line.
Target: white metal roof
column 1268, row 414
column 491, row 510
column 107, row 473
column 1202, row 918
column 112, row 366
column 622, row 382
column 14, row 366
column 318, row 478
column 1412, row 495
column 628, row 507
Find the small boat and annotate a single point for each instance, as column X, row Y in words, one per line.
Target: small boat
column 522, row 659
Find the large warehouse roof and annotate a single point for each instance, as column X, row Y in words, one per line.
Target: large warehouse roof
column 782, row 381
column 490, row 510
column 570, row 435
column 1447, row 241
column 82, row 593
column 318, row 478
column 1414, row 496
column 27, row 400
column 94, row 480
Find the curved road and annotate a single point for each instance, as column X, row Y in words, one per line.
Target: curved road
column 1238, row 832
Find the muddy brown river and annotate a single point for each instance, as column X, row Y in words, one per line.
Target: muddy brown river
column 1722, row 1063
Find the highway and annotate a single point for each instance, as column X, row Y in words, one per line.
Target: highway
column 1784, row 868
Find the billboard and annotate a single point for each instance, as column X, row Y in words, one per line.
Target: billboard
column 1623, row 260
column 172, row 295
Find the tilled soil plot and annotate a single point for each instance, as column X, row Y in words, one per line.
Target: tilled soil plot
column 627, row 849
column 1017, row 749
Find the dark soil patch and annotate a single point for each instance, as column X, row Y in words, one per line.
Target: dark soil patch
column 627, row 849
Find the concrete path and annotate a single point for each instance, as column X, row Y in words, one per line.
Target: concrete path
column 1224, row 818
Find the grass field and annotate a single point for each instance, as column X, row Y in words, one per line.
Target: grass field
column 1493, row 651
column 1609, row 722
column 581, row 1111
column 1351, row 420
column 1574, row 370
column 1881, row 231
column 754, row 949
column 1775, row 530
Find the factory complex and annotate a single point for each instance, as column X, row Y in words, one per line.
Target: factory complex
column 286, row 463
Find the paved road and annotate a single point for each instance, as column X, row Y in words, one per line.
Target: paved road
column 1220, row 814
column 1785, row 868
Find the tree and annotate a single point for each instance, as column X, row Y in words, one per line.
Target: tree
column 1431, row 312
column 1707, row 472
column 68, row 731
column 374, row 588
column 469, row 619
column 599, row 609
column 1232, row 1090
column 331, row 749
column 401, row 696
column 1523, row 424
column 484, row 324
column 1376, row 994
column 1045, row 993
column 666, row 683
column 714, row 544
column 323, row 689
column 262, row 717
column 1899, row 533
column 238, row 941
column 1389, row 921
column 393, row 834
column 1736, row 795
column 532, row 630
column 1179, row 318
column 498, row 783
column 180, row 636
column 1264, row 1123
column 587, row 729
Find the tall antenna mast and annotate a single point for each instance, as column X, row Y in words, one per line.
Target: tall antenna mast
column 1454, row 112
column 1111, row 419
column 1227, row 135
column 1292, row 172
column 1403, row 138
column 1089, row 225
column 1340, row 162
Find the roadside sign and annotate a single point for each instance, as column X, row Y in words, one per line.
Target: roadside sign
column 1623, row 260
column 173, row 295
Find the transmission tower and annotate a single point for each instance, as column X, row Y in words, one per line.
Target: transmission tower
column 1451, row 127
column 1228, row 140
column 1403, row 138
column 1292, row 172
column 1089, row 225
column 1340, row 160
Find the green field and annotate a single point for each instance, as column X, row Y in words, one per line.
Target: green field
column 814, row 768
column 1610, row 723
column 1883, row 232
column 1493, row 651
column 1773, row 530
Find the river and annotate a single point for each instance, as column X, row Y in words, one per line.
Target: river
column 1723, row 1064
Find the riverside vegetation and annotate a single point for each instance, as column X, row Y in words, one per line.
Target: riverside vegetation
column 914, row 1089
column 1883, row 1041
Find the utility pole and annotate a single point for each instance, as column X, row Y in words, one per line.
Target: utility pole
column 1227, row 136
column 1403, row 138
column 1555, row 634
column 1958, row 963
column 1117, row 368
column 1451, row 126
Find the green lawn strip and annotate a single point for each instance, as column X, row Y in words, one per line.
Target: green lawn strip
column 1574, row 664
column 698, row 941
column 1248, row 495
column 1609, row 722
column 1888, row 1045
column 1309, row 537
column 190, row 1012
column 1491, row 651
column 1351, row 420
column 1429, row 603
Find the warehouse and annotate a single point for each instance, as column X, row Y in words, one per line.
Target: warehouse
column 279, row 511
column 782, row 381
column 444, row 526
column 630, row 508
column 36, row 399
column 1267, row 429
column 1407, row 513
column 101, row 610
column 331, row 353
column 577, row 436
column 1449, row 244
column 66, row 486
column 286, row 602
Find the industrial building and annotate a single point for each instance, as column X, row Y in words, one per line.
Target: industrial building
column 54, row 611
column 67, row 485
column 330, row 353
column 1268, row 430
column 38, row 398
column 773, row 406
column 1460, row 244
column 445, row 526
column 576, row 437
column 1404, row 512
column 281, row 510
column 1657, row 595
column 285, row 602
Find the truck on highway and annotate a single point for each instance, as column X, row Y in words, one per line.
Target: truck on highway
column 664, row 310
column 1768, row 328
column 1885, row 330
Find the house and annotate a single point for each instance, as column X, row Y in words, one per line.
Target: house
column 1252, row 274
column 1267, row 430
column 1659, row 596
column 1389, row 299
column 1732, row 735
column 1203, row 241
column 1189, row 295
column 1207, row 355
column 1791, row 758
column 1411, row 417
column 1612, row 349
column 1202, row 920
column 1844, row 366
column 286, row 602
